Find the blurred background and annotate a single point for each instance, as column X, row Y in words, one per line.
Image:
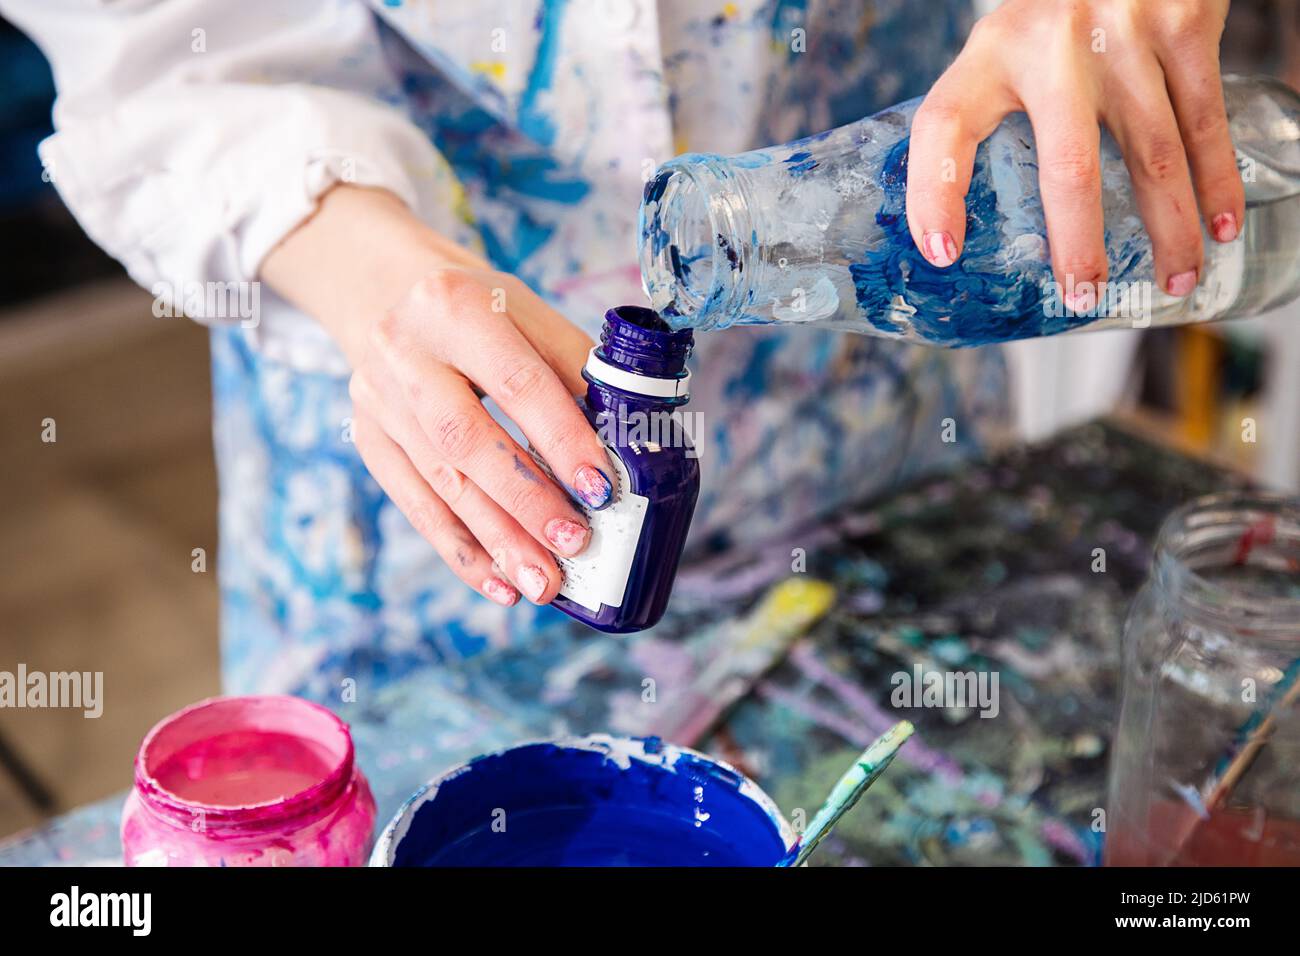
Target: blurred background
column 99, row 526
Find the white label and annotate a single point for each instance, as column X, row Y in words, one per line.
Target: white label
column 599, row 575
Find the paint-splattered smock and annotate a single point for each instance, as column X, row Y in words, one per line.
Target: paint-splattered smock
column 194, row 134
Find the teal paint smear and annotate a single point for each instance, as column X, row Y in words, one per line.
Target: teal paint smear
column 533, row 122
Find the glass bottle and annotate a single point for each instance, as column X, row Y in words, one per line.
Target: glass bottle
column 636, row 380
column 1206, row 764
column 815, row 231
column 248, row 781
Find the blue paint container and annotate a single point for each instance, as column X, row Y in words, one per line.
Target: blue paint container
column 588, row 801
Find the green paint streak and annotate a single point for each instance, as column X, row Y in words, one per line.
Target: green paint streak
column 849, row 789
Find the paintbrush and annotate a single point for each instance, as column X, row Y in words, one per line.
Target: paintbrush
column 871, row 763
column 1251, row 740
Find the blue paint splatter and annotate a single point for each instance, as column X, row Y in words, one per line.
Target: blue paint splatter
column 532, row 120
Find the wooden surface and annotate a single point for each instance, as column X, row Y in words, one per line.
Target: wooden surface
column 98, row 527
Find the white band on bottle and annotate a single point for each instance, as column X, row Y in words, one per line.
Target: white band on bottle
column 620, row 378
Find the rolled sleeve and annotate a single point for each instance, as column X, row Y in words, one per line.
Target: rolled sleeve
column 193, row 135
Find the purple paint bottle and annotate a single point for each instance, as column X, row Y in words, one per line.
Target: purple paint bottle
column 636, row 378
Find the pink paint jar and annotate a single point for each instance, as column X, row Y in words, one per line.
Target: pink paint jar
column 248, row 781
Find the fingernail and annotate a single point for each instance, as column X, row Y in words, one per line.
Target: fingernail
column 532, row 582
column 569, row 537
column 939, row 249
column 1224, row 227
column 1181, row 284
column 592, row 487
column 500, row 591
column 1081, row 300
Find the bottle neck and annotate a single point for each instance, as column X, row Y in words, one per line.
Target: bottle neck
column 640, row 364
column 1227, row 561
column 698, row 253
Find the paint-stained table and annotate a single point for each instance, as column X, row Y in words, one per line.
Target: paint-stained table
column 788, row 661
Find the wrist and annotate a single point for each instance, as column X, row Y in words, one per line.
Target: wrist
column 356, row 257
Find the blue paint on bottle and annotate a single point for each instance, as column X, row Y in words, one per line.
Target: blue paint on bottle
column 636, row 378
column 815, row 231
column 592, row 801
column 967, row 303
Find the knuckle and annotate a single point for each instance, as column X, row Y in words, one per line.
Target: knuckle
column 358, row 389
column 446, row 481
column 519, row 498
column 1073, row 164
column 1160, row 157
column 1079, row 13
column 571, row 434
column 1209, row 129
column 1186, row 22
column 385, row 334
column 425, row 521
column 432, row 288
column 987, row 29
column 362, row 437
column 455, row 433
column 521, row 381
column 437, row 287
column 937, row 116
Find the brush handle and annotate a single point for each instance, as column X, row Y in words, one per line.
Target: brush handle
column 849, row 789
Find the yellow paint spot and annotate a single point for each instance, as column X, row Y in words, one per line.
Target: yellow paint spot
column 493, row 68
column 786, row 611
column 798, row 597
column 729, row 10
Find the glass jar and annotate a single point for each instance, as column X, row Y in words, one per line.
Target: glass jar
column 248, row 781
column 1205, row 769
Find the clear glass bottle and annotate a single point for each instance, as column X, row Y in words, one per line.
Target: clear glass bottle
column 815, row 231
column 1206, row 764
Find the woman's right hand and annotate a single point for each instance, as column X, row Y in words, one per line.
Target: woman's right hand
column 464, row 484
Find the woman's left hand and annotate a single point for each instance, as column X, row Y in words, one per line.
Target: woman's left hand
column 1149, row 71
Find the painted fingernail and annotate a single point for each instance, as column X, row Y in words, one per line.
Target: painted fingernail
column 532, row 582
column 939, row 249
column 1081, row 300
column 1181, row 284
column 1224, row 227
column 500, row 591
column 569, row 537
column 592, row 487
